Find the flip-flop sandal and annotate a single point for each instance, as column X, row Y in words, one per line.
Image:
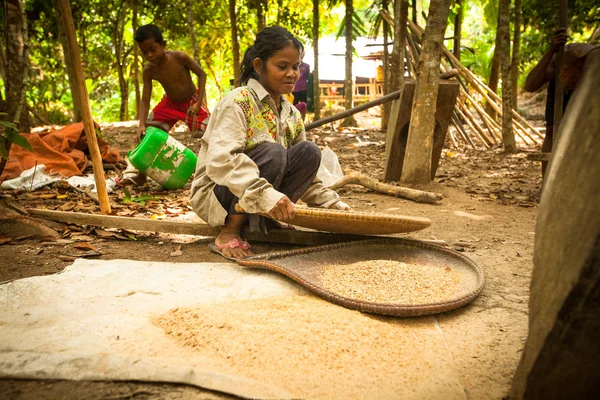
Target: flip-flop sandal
column 232, row 244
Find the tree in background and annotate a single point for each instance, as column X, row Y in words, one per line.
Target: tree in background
column 457, row 28
column 399, row 49
column 136, row 60
column 14, row 106
column 416, row 167
column 68, row 64
column 348, row 88
column 17, row 64
column 508, row 136
column 386, row 108
column 516, row 54
column 235, row 43
column 316, row 88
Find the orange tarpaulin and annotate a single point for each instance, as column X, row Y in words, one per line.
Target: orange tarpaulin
column 64, row 152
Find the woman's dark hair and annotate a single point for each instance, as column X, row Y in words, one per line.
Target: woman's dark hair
column 146, row 32
column 268, row 42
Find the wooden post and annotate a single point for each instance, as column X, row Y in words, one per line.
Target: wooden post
column 417, row 164
column 559, row 91
column 86, row 112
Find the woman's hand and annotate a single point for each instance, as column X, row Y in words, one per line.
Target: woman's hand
column 284, row 210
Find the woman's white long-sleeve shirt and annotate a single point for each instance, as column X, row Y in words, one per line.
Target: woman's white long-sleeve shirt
column 245, row 118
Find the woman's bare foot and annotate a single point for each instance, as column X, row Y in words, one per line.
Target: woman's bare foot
column 229, row 241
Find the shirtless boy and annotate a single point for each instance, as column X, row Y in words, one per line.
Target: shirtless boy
column 182, row 101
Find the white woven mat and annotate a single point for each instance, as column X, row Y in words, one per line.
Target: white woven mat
column 92, row 322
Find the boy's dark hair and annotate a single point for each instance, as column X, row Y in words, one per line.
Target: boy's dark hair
column 268, row 42
column 146, row 32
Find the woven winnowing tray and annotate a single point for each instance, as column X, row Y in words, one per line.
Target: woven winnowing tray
column 357, row 222
column 306, row 266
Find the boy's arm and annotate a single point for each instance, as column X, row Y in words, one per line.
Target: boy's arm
column 196, row 69
column 145, row 102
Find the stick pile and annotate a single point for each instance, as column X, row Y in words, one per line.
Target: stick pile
column 484, row 131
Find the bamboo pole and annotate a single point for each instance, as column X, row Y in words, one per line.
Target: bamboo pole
column 453, row 139
column 475, row 131
column 559, row 92
column 497, row 98
column 461, row 130
column 344, row 114
column 479, row 129
column 88, row 121
column 479, row 85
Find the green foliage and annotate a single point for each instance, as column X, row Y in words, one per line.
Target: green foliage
column 478, row 58
column 97, row 20
column 8, row 133
column 128, row 198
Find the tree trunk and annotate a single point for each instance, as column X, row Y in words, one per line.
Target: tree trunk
column 2, row 66
column 399, row 50
column 17, row 55
column 515, row 53
column 136, row 64
column 235, row 43
column 348, row 87
column 414, row 11
column 417, row 160
column 508, row 136
column 316, row 88
column 69, row 67
column 17, row 62
column 386, row 108
column 494, row 75
column 457, row 29
column 194, row 42
column 118, row 43
column 261, row 21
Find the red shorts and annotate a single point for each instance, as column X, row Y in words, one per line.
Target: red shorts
column 168, row 112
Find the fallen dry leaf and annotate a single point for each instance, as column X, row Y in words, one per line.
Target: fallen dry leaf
column 4, row 238
column 85, row 246
column 82, row 238
column 107, row 234
column 67, row 206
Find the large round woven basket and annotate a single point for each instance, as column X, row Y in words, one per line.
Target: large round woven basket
column 338, row 221
column 306, row 266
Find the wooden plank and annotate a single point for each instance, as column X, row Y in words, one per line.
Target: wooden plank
column 539, row 156
column 86, row 112
column 299, row 237
column 136, row 224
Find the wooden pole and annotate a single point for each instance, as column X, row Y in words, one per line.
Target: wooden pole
column 344, row 114
column 559, row 91
column 86, row 112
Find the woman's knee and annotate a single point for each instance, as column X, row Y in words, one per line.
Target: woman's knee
column 309, row 152
column 271, row 160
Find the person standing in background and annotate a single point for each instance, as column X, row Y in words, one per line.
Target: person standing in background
column 301, row 85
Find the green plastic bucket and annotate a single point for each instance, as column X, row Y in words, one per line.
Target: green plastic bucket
column 163, row 159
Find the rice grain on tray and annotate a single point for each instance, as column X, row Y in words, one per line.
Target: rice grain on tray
column 386, row 281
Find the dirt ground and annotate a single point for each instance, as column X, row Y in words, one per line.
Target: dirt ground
column 488, row 212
